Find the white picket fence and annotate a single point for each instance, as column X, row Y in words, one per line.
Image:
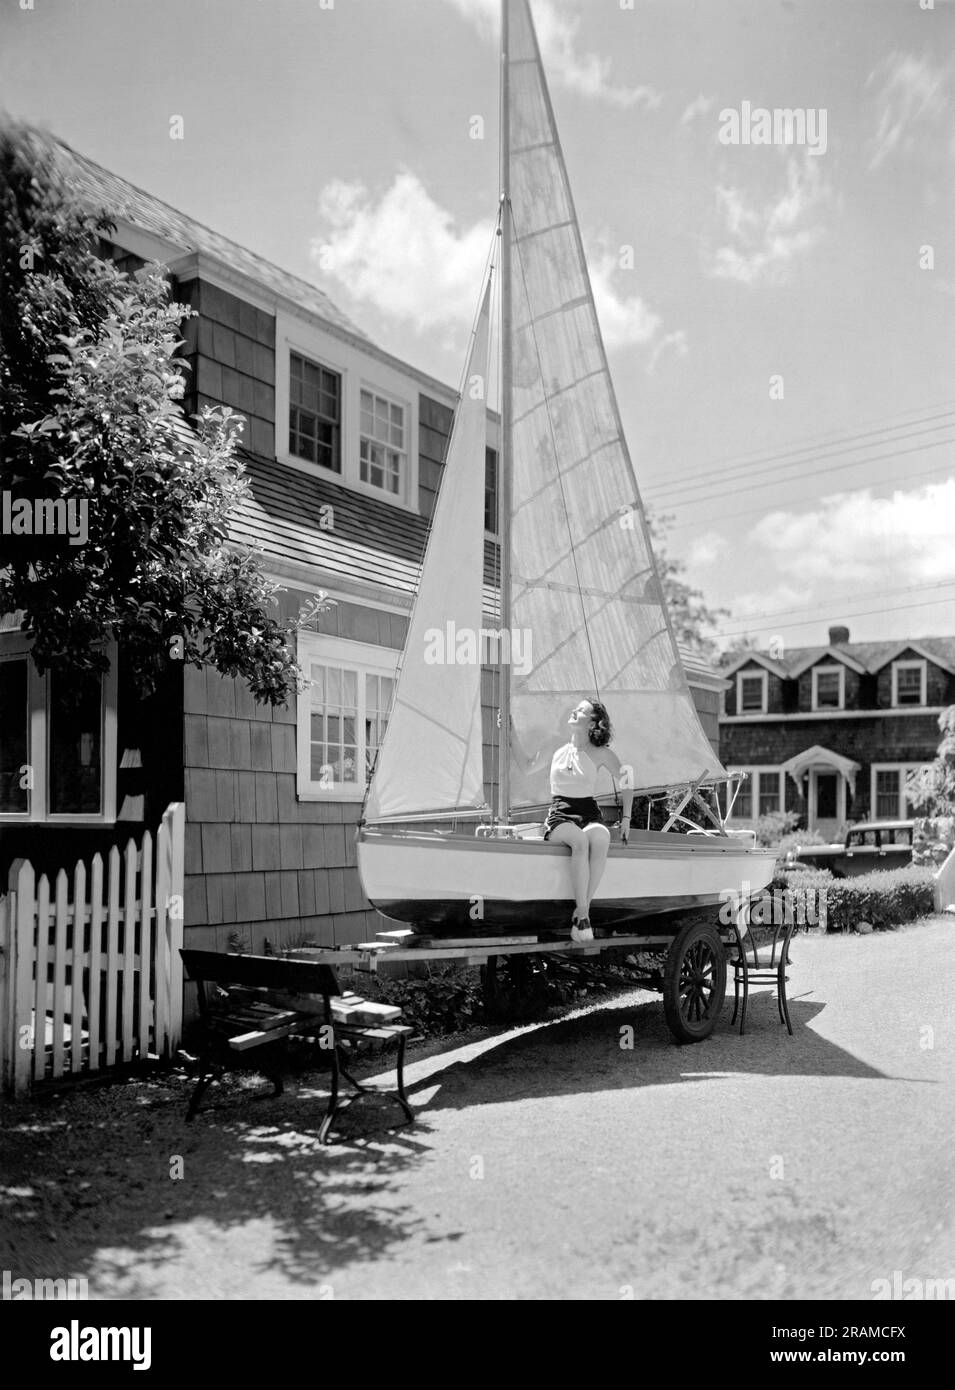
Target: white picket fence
column 92, row 978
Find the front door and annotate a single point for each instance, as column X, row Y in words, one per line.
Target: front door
column 826, row 803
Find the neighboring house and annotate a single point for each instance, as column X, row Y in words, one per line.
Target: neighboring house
column 344, row 447
column 831, row 732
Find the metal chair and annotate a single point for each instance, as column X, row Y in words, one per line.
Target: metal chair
column 749, row 969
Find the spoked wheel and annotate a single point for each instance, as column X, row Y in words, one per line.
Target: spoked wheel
column 694, row 982
column 514, row 988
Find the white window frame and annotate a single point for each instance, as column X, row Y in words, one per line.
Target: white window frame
column 754, row 778
column 320, row 468
column 910, row 665
column 901, row 812
column 832, row 667
column 405, row 408
column 752, row 675
column 366, row 659
column 15, row 646
column 358, row 370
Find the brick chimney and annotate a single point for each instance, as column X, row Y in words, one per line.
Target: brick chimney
column 838, row 636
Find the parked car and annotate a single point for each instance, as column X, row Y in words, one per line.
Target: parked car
column 882, row 844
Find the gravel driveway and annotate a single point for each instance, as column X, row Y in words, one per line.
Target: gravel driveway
column 547, row 1161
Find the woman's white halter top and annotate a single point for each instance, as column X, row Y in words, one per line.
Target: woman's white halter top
column 572, row 774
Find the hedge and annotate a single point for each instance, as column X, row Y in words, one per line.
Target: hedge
column 886, row 898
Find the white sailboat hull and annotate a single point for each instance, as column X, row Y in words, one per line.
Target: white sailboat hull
column 459, row 884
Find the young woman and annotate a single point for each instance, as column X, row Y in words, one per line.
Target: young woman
column 574, row 817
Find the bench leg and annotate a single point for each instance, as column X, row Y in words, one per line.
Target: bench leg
column 333, row 1102
column 400, row 1095
column 206, row 1074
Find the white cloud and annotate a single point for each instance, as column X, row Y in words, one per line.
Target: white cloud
column 676, row 341
column 912, row 94
column 767, row 239
column 699, row 106
column 904, row 538
column 404, row 255
column 587, row 74
column 707, row 549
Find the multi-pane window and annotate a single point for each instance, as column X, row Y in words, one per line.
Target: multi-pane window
column 57, row 740
column 14, row 737
column 490, row 490
column 909, row 679
column 379, row 691
column 315, row 395
column 760, row 793
column 334, row 726
column 888, row 784
column 752, row 693
column 889, row 801
column 343, row 715
column 768, row 792
column 827, row 689
column 382, row 449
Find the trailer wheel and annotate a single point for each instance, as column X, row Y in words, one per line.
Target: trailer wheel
column 694, row 982
column 514, row 988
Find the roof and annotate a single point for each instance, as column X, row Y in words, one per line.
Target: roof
column 123, row 199
column 864, row 656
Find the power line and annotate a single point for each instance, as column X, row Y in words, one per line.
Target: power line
column 816, row 441
column 854, row 598
column 788, row 501
column 863, row 613
column 770, row 467
column 812, row 473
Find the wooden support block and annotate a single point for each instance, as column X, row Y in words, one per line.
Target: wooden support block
column 248, row 1040
column 397, row 938
column 482, row 943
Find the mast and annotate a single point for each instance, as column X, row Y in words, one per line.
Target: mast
column 504, row 458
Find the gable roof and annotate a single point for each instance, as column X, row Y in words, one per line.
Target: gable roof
column 124, row 200
column 863, row 657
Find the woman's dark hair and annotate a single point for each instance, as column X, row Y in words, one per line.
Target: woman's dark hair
column 601, row 730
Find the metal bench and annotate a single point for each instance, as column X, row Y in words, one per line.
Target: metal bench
column 257, row 1003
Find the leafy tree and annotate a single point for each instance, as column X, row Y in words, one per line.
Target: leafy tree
column 693, row 620
column 89, row 385
column 932, row 790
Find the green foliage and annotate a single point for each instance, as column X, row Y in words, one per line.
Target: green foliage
column 932, row 790
column 773, row 827
column 447, row 1000
column 693, row 620
column 887, row 899
column 89, row 385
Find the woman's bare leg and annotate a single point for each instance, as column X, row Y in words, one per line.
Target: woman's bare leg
column 568, row 834
column 598, row 843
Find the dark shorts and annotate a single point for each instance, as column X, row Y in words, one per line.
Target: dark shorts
column 577, row 810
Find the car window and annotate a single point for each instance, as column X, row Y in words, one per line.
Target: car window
column 870, row 838
column 903, row 837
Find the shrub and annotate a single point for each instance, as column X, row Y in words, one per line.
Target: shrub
column 447, row 1000
column 886, row 899
column 772, row 828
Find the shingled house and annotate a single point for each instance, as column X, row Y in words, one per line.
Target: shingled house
column 831, row 732
column 343, row 447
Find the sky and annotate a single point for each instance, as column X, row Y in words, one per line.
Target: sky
column 780, row 318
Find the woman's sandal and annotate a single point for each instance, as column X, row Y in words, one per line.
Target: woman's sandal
column 580, row 929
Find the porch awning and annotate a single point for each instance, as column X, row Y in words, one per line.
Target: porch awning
column 820, row 757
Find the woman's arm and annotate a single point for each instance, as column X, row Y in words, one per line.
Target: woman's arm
column 623, row 776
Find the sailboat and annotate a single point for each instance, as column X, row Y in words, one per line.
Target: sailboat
column 578, row 599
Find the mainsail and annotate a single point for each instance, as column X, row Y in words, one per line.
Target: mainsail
column 583, row 582
column 431, row 757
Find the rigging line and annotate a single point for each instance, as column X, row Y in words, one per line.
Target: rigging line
column 842, row 598
column 811, row 473
column 821, row 439
column 766, row 510
column 800, row 463
column 863, row 613
column 563, row 496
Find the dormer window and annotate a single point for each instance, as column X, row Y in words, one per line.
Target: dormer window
column 315, row 413
column 828, row 687
column 751, row 692
column 908, row 683
column 382, row 450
